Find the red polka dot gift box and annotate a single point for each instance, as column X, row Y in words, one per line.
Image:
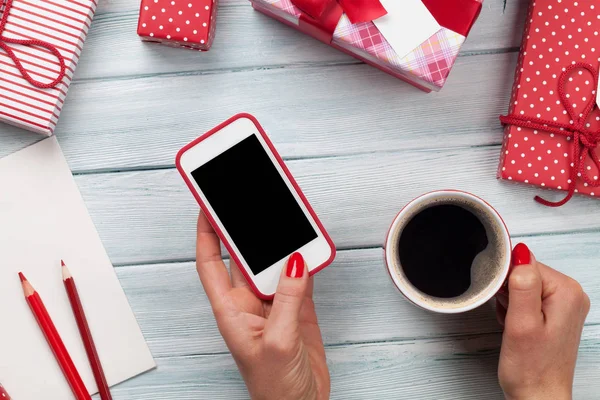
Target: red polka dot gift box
column 552, row 130
column 178, row 23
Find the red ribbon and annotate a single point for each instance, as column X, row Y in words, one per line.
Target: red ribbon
column 31, row 43
column 585, row 140
column 356, row 10
column 324, row 15
column 456, row 15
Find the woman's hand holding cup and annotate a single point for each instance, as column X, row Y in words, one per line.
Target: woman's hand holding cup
column 543, row 316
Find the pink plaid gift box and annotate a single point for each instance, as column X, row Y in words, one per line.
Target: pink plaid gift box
column 426, row 66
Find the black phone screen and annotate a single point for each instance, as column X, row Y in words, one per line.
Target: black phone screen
column 254, row 204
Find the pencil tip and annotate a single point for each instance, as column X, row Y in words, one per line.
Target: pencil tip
column 62, row 263
column 65, row 272
column 28, row 290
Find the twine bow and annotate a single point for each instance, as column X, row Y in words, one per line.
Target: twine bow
column 4, row 41
column 585, row 140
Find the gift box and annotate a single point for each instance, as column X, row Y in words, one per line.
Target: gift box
column 40, row 45
column 552, row 131
column 417, row 41
column 178, row 23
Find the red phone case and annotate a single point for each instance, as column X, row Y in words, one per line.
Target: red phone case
column 287, row 173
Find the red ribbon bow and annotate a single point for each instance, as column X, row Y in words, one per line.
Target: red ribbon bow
column 356, row 10
column 31, row 43
column 585, row 140
column 324, row 15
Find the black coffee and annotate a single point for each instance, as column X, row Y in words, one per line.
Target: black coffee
column 437, row 248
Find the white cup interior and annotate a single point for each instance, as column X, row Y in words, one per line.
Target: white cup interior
column 489, row 269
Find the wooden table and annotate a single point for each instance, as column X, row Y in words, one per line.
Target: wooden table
column 361, row 145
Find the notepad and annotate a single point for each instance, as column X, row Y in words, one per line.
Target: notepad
column 43, row 219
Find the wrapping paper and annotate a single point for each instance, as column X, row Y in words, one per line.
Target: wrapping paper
column 178, row 23
column 63, row 24
column 560, row 35
column 426, row 67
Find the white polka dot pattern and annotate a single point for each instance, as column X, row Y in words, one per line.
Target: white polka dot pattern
column 179, row 23
column 558, row 33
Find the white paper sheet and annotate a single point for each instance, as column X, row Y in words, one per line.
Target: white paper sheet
column 407, row 24
column 42, row 220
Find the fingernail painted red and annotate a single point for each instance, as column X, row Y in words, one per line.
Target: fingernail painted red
column 295, row 266
column 521, row 255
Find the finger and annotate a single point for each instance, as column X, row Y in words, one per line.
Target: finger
column 311, row 287
column 238, row 279
column 551, row 279
column 524, row 292
column 562, row 295
column 291, row 291
column 210, row 266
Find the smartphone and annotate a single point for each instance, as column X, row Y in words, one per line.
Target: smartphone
column 253, row 202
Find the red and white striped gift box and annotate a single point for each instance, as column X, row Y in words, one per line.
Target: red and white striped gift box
column 39, row 26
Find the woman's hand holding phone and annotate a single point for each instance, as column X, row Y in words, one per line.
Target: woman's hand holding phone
column 277, row 345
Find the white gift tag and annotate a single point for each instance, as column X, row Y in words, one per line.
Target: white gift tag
column 407, row 24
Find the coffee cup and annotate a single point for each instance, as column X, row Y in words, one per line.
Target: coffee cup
column 448, row 251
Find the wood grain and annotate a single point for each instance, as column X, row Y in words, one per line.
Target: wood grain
column 439, row 369
column 356, row 300
column 141, row 123
column 149, row 216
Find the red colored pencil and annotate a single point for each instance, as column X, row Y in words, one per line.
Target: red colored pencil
column 56, row 344
column 86, row 334
column 3, row 393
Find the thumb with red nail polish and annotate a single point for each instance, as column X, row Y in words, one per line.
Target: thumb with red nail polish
column 290, row 336
column 521, row 255
column 291, row 291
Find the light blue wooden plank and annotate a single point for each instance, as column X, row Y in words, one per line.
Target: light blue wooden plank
column 150, row 215
column 14, row 139
column 441, row 369
column 247, row 39
column 308, row 112
column 355, row 298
